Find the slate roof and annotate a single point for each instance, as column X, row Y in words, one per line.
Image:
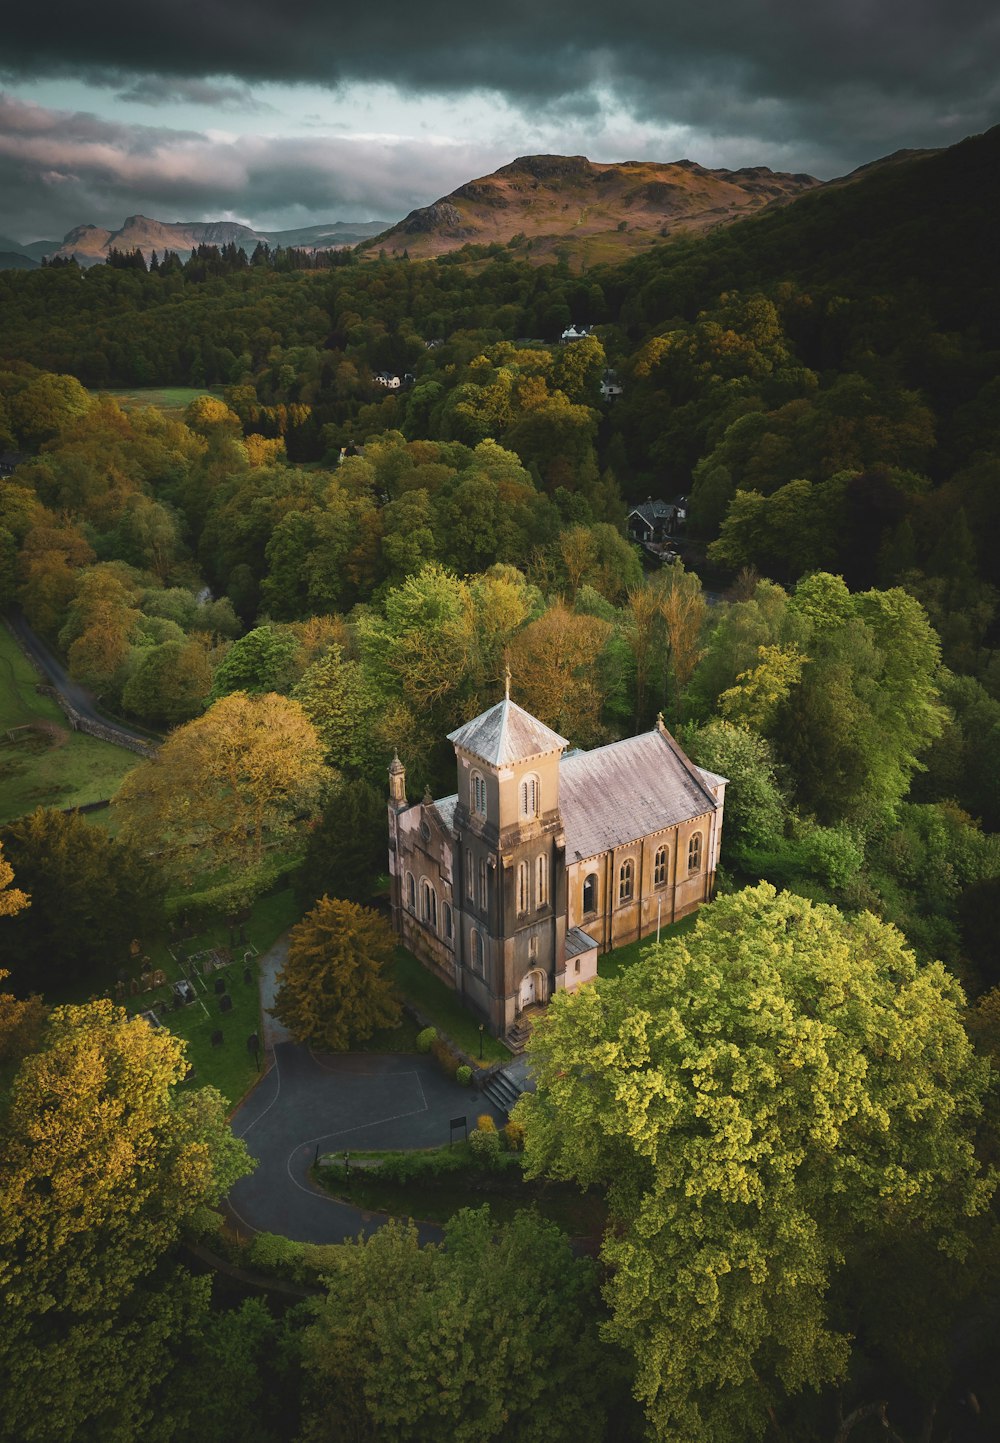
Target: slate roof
column 506, row 733
column 618, row 793
column 445, row 808
column 578, row 941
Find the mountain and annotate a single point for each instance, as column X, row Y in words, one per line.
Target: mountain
column 546, row 202
column 15, row 260
column 89, row 244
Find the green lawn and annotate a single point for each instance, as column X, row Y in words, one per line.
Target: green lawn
column 442, row 1005
column 612, row 963
column 50, row 766
column 166, row 398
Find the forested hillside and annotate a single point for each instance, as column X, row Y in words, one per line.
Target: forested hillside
column 338, row 570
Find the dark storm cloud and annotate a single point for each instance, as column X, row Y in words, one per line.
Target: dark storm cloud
column 891, row 71
column 176, row 90
column 59, row 169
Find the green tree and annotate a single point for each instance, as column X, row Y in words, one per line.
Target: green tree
column 91, row 895
column 760, row 1097
column 339, row 700
column 333, row 989
column 347, row 849
column 755, row 808
column 492, row 1336
column 103, row 1166
column 260, row 661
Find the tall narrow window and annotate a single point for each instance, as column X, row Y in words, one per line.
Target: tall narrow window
column 483, row 893
column 470, row 874
column 590, row 894
column 625, row 882
column 478, row 953
column 529, row 796
column 541, row 881
column 660, row 867
column 411, row 892
column 479, row 794
column 428, row 905
column 449, row 925
column 694, row 853
column 522, row 887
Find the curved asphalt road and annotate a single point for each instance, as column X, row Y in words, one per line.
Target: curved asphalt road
column 77, row 696
column 347, row 1102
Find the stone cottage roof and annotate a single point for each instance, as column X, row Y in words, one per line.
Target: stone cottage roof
column 506, row 733
column 618, row 793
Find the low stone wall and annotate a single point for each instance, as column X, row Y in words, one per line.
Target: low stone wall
column 101, row 730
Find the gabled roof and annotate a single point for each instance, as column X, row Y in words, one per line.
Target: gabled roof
column 629, row 789
column 445, row 808
column 506, row 733
column 653, row 510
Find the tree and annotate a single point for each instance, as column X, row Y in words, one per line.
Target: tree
column 683, row 607
column 169, row 682
column 221, row 788
column 760, row 1097
column 491, row 1336
column 91, row 895
column 346, row 851
column 556, row 667
column 755, row 808
column 338, row 699
column 103, row 1165
column 12, row 899
column 260, row 661
column 333, row 990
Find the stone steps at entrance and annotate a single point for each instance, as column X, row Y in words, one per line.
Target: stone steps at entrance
column 501, row 1091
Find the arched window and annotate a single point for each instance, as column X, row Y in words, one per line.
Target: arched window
column 428, row 905
column 411, row 892
column 541, row 881
column 479, row 794
column 625, row 881
column 449, row 924
column 529, row 796
column 590, row 893
column 660, row 867
column 478, row 953
column 694, row 853
column 522, row 887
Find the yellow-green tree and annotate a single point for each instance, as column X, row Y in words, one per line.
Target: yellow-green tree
column 103, row 1165
column 333, row 988
column 762, row 1100
column 224, row 787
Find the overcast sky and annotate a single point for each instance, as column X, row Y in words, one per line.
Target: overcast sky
column 213, row 109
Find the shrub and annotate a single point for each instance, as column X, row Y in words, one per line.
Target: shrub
column 404, row 1167
column 514, row 1133
column 448, row 1061
column 485, row 1122
column 426, row 1039
column 486, row 1145
column 463, row 1074
column 274, row 1254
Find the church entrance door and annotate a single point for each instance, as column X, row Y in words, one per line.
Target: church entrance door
column 528, row 990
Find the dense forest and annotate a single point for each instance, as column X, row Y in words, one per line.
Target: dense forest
column 821, row 384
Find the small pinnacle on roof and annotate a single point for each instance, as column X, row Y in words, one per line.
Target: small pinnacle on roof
column 506, row 683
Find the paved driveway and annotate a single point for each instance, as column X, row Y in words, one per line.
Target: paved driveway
column 341, row 1102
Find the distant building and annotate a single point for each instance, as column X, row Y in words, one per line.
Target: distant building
column 610, row 385
column 10, row 460
column 575, row 333
column 510, row 888
column 656, row 520
column 388, row 379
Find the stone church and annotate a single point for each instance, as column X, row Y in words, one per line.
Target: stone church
column 510, row 888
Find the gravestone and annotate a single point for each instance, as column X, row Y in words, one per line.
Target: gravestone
column 220, row 986
column 217, row 1038
column 247, row 974
column 225, row 1003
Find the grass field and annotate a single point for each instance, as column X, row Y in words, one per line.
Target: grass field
column 612, row 963
column 230, row 1067
column 167, row 398
column 50, row 765
column 442, row 1005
